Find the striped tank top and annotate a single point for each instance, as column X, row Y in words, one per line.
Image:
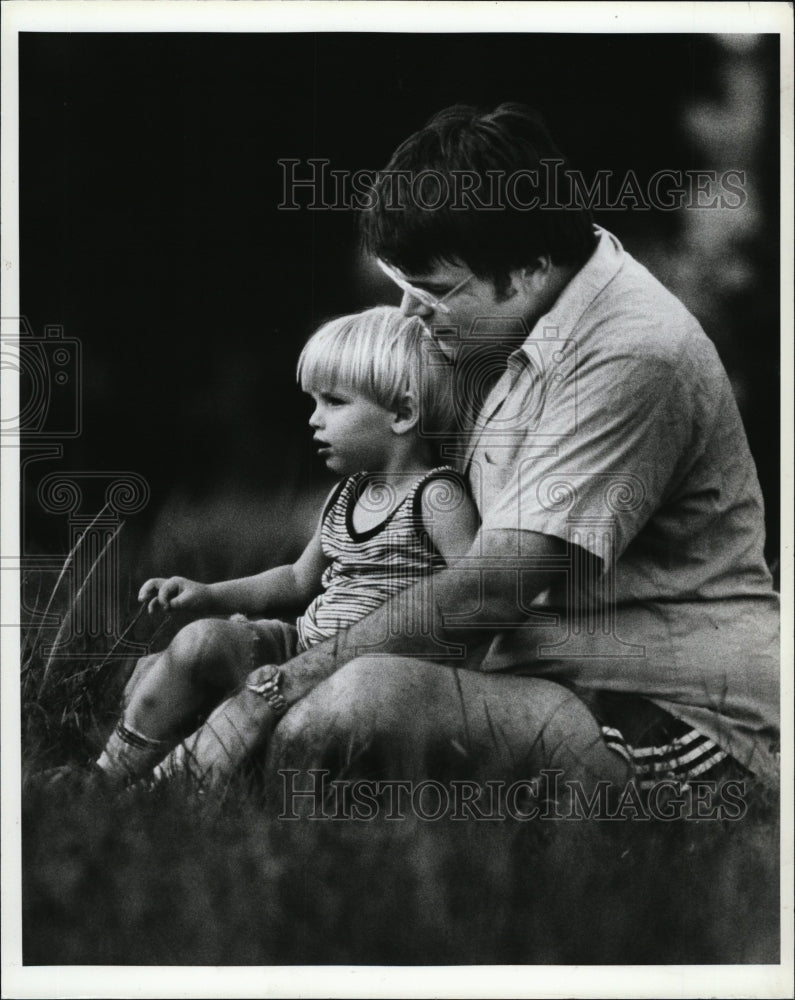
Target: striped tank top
column 370, row 566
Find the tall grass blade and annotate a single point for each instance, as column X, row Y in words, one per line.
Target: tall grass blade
column 464, row 717
column 64, row 568
column 79, row 594
column 136, row 618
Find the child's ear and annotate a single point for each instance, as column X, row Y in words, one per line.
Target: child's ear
column 406, row 414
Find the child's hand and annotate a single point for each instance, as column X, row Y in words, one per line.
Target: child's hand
column 175, row 594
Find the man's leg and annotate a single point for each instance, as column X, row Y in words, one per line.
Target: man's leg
column 213, row 753
column 408, row 718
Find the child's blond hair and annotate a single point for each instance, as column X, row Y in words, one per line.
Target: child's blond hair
column 383, row 355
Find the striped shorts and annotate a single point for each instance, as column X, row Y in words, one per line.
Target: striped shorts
column 657, row 745
column 683, row 758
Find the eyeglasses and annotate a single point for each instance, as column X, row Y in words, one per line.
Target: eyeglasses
column 428, row 300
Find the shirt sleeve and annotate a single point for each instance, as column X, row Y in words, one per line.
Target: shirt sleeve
column 601, row 456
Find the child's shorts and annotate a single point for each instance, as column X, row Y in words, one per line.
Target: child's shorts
column 272, row 640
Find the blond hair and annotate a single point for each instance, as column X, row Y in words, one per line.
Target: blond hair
column 383, row 355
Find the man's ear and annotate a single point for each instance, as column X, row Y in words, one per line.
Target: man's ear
column 536, row 274
column 406, row 414
column 529, row 279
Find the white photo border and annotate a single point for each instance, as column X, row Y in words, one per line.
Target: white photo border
column 220, row 16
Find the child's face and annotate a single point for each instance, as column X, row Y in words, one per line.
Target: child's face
column 353, row 434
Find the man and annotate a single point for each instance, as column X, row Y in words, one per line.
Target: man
column 615, row 615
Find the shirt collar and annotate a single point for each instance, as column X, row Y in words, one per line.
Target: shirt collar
column 597, row 272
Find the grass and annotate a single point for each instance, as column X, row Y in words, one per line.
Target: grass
column 171, row 878
column 160, row 879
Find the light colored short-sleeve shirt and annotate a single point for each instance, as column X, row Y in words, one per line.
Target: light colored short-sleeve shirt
column 615, row 427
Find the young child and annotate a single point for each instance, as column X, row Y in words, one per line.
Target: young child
column 382, row 399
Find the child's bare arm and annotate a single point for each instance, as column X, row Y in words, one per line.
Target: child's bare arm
column 283, row 589
column 450, row 518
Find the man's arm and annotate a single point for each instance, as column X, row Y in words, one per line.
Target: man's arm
column 484, row 587
column 485, row 582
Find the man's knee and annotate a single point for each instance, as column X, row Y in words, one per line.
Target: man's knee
column 357, row 692
column 370, row 703
column 387, row 694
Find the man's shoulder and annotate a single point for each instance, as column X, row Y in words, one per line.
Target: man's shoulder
column 635, row 313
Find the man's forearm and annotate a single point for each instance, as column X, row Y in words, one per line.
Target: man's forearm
column 426, row 620
column 389, row 629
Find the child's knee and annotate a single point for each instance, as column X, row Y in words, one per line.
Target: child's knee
column 214, row 652
column 199, row 649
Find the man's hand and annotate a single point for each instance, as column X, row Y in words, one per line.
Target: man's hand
column 176, row 593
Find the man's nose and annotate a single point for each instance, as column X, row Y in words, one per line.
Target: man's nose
column 411, row 306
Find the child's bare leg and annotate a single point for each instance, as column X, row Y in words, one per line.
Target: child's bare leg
column 204, row 661
column 210, row 656
column 142, row 668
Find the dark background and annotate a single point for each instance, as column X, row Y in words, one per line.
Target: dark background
column 150, row 229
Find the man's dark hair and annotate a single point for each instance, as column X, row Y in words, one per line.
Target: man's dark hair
column 491, row 233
